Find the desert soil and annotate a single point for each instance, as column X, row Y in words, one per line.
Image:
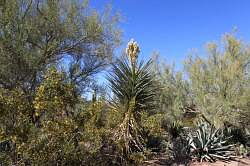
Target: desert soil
column 239, row 162
column 161, row 162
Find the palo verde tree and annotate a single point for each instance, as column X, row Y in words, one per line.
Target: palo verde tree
column 34, row 36
column 134, row 92
column 174, row 93
column 38, row 33
column 220, row 82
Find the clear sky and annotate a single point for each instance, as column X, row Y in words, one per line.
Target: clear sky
column 174, row 27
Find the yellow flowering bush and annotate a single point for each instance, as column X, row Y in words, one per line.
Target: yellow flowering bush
column 54, row 94
column 14, row 108
column 15, row 123
column 68, row 140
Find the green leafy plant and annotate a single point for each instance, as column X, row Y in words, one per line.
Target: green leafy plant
column 178, row 144
column 209, row 144
column 175, row 129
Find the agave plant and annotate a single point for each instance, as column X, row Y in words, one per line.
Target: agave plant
column 133, row 90
column 209, row 144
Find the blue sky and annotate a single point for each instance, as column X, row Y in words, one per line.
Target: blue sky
column 174, row 27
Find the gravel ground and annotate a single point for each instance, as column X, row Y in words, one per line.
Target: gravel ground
column 162, row 161
column 240, row 162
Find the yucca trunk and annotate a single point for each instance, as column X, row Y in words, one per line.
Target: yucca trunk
column 128, row 133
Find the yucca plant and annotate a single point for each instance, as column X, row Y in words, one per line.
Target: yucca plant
column 175, row 129
column 134, row 91
column 209, row 144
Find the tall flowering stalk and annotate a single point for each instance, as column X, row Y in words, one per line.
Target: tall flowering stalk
column 133, row 86
column 132, row 51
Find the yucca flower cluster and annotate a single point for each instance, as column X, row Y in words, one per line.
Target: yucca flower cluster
column 132, row 51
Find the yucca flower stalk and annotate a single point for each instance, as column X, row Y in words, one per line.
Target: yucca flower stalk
column 132, row 51
column 132, row 84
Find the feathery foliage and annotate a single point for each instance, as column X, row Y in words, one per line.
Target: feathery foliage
column 220, row 82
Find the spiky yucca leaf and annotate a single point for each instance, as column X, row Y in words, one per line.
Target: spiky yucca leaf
column 209, row 144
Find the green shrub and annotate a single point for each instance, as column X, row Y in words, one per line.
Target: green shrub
column 175, row 129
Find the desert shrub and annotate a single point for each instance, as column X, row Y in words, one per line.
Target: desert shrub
column 178, row 144
column 155, row 136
